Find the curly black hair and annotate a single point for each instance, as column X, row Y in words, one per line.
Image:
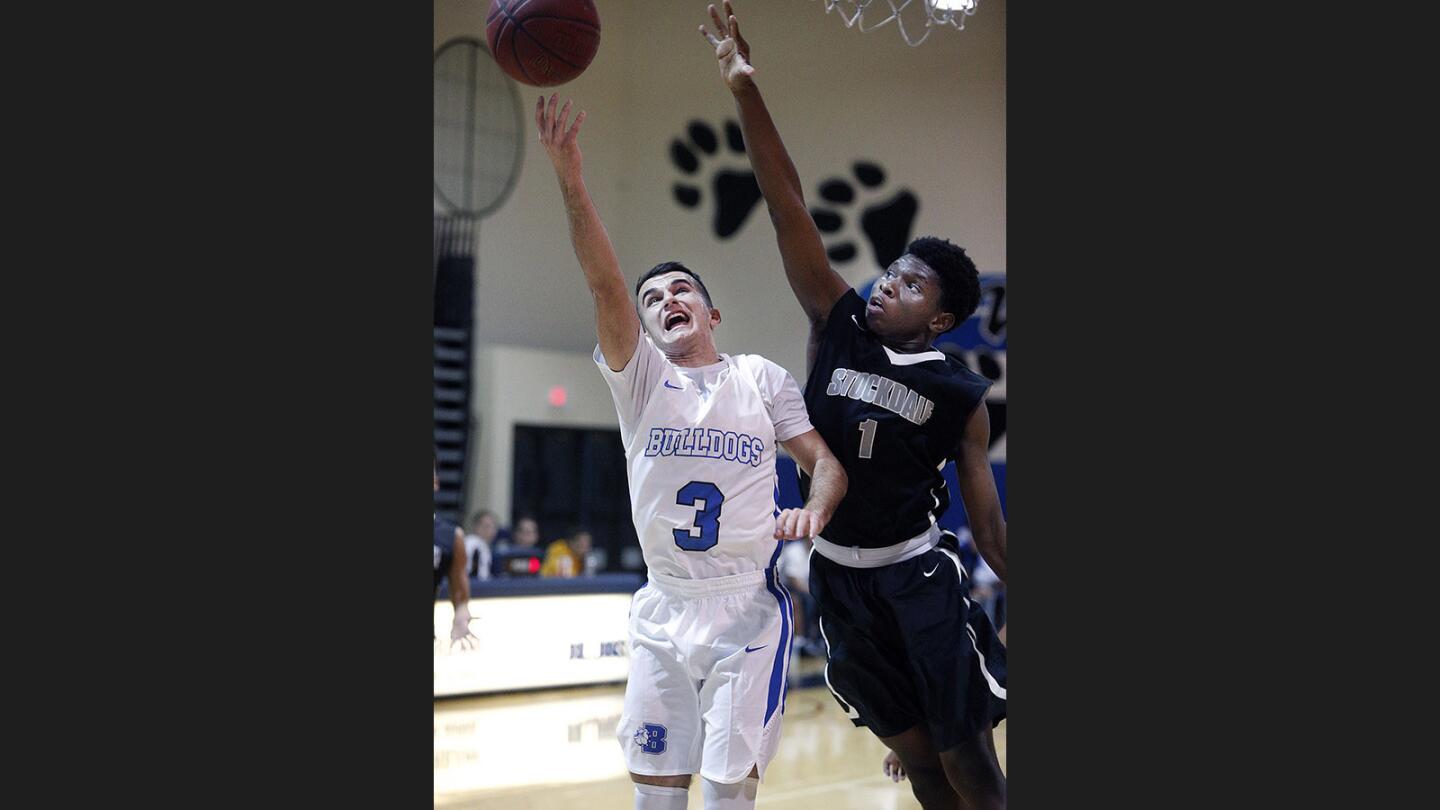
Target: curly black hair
column 671, row 267
column 959, row 280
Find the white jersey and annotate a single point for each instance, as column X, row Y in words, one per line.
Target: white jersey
column 700, row 448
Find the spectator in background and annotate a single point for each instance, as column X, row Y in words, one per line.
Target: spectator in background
column 525, row 535
column 569, row 557
column 479, row 543
column 524, row 538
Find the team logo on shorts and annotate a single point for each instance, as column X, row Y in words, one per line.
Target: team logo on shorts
column 651, row 738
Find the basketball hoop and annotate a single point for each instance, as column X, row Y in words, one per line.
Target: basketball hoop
column 937, row 13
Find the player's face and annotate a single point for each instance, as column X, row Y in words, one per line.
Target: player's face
column 905, row 299
column 673, row 311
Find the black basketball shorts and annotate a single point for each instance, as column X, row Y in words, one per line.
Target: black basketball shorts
column 905, row 646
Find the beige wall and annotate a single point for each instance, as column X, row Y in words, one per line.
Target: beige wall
column 933, row 116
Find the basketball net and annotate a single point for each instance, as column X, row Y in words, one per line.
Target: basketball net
column 937, row 13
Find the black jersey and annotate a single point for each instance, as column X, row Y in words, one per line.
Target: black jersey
column 444, row 548
column 893, row 419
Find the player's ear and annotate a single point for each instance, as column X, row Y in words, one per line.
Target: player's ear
column 941, row 323
column 714, row 317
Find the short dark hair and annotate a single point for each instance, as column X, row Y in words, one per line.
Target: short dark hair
column 671, row 267
column 959, row 280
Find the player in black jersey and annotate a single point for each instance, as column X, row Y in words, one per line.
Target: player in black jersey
column 450, row 561
column 908, row 654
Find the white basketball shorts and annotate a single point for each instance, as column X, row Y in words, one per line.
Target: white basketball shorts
column 708, row 661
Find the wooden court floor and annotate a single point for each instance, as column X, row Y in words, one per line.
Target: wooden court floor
column 557, row 749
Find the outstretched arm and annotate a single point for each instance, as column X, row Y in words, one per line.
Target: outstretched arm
column 977, row 490
column 816, row 285
column 828, row 483
column 616, row 324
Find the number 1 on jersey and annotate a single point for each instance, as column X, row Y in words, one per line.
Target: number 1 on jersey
column 867, row 437
column 707, row 520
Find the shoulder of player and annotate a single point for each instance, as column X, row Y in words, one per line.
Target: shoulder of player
column 962, row 382
column 755, row 363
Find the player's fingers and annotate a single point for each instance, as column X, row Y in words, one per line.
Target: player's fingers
column 560, row 119
column 550, row 114
column 540, row 116
column 715, row 17
column 709, row 37
column 575, row 127
column 734, row 27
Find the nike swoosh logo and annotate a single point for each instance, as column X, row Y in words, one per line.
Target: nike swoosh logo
column 753, row 649
column 676, row 387
column 933, row 570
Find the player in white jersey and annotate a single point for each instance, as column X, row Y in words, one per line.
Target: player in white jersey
column 710, row 633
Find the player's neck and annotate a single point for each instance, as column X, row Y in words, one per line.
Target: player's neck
column 699, row 352
column 910, row 345
column 694, row 359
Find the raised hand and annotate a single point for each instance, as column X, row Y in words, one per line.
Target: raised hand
column 561, row 144
column 731, row 49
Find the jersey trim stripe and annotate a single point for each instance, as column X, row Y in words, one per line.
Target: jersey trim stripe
column 995, row 689
column 898, row 359
column 782, row 650
column 844, row 704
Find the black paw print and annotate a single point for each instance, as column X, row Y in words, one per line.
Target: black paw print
column 734, row 190
column 886, row 224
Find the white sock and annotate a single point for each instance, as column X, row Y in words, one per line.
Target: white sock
column 655, row 797
column 736, row 796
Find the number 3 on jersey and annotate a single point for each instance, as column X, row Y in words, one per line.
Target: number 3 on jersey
column 707, row 520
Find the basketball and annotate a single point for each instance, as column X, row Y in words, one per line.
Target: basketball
column 543, row 43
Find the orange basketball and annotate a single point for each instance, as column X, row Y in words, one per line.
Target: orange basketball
column 543, row 43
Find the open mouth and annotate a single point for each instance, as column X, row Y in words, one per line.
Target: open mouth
column 876, row 304
column 675, row 319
